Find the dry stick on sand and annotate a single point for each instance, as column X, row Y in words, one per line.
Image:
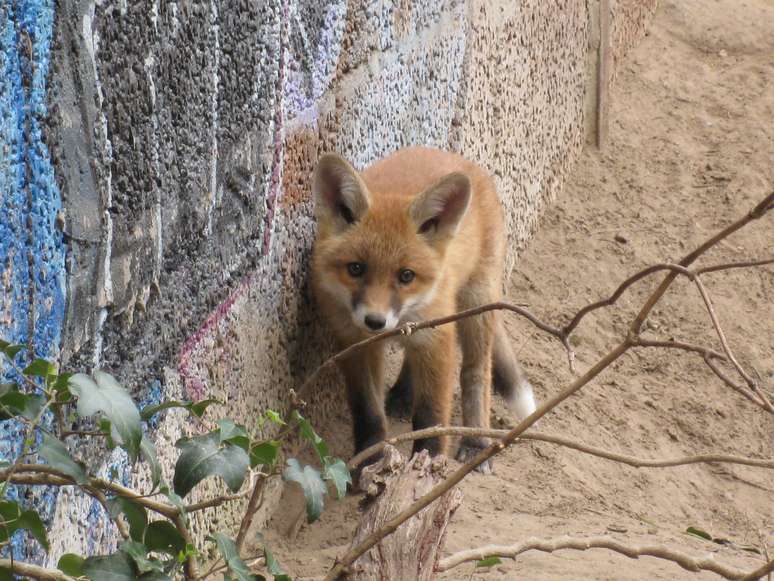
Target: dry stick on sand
column 695, row 564
column 455, row 478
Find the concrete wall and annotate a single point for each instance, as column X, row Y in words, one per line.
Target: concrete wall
column 155, row 217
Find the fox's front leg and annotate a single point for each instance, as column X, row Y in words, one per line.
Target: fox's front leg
column 363, row 374
column 476, row 337
column 431, row 356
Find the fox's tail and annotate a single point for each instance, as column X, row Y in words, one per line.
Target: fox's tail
column 507, row 375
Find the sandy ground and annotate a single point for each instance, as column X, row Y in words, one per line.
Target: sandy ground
column 691, row 148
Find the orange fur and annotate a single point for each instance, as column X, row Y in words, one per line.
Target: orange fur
column 437, row 215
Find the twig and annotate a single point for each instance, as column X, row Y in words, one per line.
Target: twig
column 560, row 441
column 253, row 504
column 409, row 328
column 707, row 355
column 757, row 212
column 27, row 570
column 758, row 573
column 687, row 562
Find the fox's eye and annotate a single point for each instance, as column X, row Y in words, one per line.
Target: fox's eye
column 406, row 276
column 355, row 269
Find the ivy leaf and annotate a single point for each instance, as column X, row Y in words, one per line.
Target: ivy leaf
column 40, row 368
column 139, row 554
column 161, row 536
column 273, row 566
column 56, row 454
column 205, row 456
column 12, row 350
column 234, row 433
column 135, row 514
column 13, row 518
column 336, row 471
column 312, row 485
column 71, row 564
column 196, row 408
column 274, row 417
column 489, row 561
column 148, row 451
column 17, row 403
column 308, row 433
column 115, row 567
column 230, row 555
column 107, row 397
column 264, row 453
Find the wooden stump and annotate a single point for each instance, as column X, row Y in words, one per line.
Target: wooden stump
column 391, row 485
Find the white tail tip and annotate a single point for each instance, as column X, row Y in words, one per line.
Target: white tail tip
column 523, row 403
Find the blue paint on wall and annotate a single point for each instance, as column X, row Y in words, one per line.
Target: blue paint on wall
column 32, row 251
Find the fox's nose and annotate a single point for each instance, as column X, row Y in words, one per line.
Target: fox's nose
column 375, row 322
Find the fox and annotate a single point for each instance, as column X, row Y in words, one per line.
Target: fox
column 417, row 235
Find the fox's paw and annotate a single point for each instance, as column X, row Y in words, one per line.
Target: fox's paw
column 469, row 448
column 522, row 404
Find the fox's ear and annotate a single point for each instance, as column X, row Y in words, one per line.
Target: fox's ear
column 340, row 195
column 437, row 211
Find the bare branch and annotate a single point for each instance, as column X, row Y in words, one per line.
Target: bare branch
column 409, row 328
column 758, row 573
column 733, row 265
column 561, row 441
column 27, row 570
column 687, row 562
column 757, row 212
column 256, row 498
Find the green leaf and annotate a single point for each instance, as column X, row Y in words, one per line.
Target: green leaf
column 196, row 408
column 6, row 575
column 12, row 350
column 17, row 403
column 234, row 433
column 135, row 514
column 489, row 561
column 62, row 384
column 308, row 433
column 312, row 485
column 187, row 553
column 699, row 533
column 336, row 471
column 115, row 567
column 56, row 454
column 40, row 368
column 175, row 499
column 205, row 456
column 13, row 518
column 71, row 564
column 148, row 451
column 264, row 453
column 199, row 407
column 163, row 537
column 106, row 396
column 230, row 555
column 274, row 417
column 139, row 554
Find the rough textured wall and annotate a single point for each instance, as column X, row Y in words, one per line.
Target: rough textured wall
column 181, row 136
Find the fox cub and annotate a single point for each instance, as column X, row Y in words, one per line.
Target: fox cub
column 417, row 235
